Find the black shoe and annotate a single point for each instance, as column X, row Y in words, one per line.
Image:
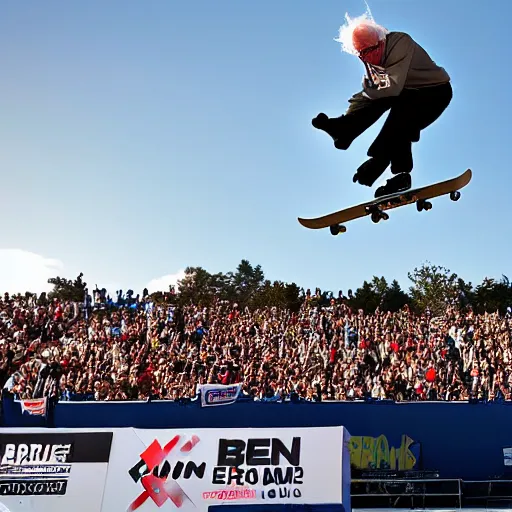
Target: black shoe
column 335, row 127
column 398, row 183
column 321, row 121
column 370, row 171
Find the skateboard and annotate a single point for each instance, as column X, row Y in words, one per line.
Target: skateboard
column 377, row 207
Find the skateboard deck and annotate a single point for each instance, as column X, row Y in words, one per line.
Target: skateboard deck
column 377, row 207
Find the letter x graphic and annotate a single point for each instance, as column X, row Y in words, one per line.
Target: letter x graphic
column 161, row 489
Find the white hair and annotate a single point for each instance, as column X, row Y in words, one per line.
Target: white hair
column 346, row 30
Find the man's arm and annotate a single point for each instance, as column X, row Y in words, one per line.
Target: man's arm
column 396, row 67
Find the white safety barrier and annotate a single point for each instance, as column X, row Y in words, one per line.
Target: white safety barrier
column 128, row 470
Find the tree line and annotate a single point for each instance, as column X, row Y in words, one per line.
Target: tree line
column 432, row 287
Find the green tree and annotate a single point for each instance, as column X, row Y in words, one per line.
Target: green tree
column 293, row 297
column 433, row 287
column 67, row 289
column 378, row 294
column 196, row 287
column 465, row 294
column 279, row 294
column 492, row 295
column 394, row 298
column 380, row 286
column 220, row 286
column 366, row 297
column 246, row 282
column 160, row 297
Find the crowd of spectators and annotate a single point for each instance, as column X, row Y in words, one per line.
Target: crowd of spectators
column 136, row 350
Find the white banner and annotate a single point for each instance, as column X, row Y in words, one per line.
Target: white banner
column 507, row 456
column 218, row 394
column 34, row 406
column 191, row 470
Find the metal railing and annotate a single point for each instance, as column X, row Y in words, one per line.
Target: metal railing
column 411, row 488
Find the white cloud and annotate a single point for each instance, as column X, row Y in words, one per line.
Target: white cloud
column 161, row 284
column 22, row 271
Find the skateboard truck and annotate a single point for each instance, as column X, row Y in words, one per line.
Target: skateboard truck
column 423, row 204
column 376, row 213
column 373, row 210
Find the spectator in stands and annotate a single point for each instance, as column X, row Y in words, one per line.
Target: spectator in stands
column 129, row 351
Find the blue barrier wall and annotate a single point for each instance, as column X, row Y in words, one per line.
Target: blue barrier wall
column 460, row 440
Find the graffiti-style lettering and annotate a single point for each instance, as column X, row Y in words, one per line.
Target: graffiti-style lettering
column 375, row 453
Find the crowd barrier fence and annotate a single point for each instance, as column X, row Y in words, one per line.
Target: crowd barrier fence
column 456, row 439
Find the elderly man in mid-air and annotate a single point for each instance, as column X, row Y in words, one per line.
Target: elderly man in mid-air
column 402, row 78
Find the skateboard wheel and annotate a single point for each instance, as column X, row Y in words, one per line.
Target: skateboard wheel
column 337, row 229
column 420, row 205
column 376, row 216
column 427, row 206
column 384, row 216
column 455, row 196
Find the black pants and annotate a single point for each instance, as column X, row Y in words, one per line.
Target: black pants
column 409, row 113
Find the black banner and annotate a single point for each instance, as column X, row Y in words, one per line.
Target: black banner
column 85, row 446
column 33, row 488
column 40, row 464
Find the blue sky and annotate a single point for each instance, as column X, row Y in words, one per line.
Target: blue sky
column 139, row 138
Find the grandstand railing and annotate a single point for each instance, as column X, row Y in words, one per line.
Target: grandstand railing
column 488, row 492
column 394, row 490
